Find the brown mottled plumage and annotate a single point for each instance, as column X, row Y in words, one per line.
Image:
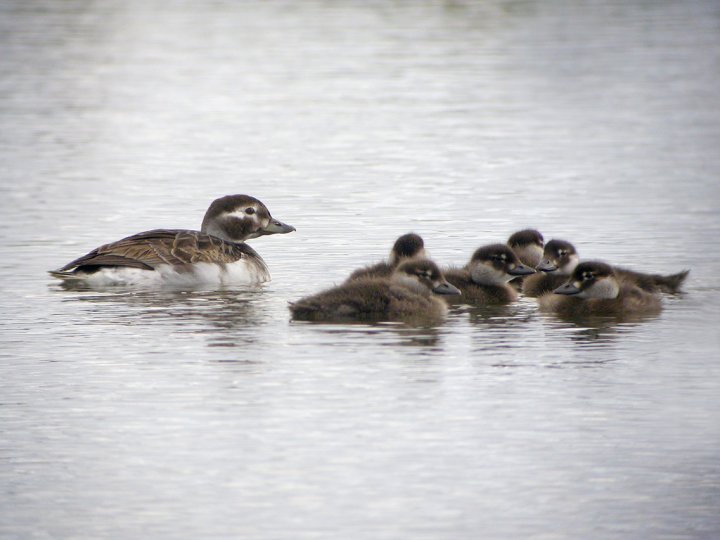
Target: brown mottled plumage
column 406, row 296
column 406, row 247
column 149, row 249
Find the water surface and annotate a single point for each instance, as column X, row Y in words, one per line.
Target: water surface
column 209, row 414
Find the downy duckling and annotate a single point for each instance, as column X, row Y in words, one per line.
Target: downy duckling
column 528, row 245
column 215, row 255
column 407, row 295
column 406, row 247
column 560, row 259
column 484, row 280
column 594, row 289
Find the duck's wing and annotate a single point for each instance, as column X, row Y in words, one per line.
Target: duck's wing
column 150, row 249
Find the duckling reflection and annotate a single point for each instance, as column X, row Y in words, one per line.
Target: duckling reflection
column 594, row 332
column 406, row 296
column 560, row 259
column 408, row 246
column 484, row 279
column 595, row 290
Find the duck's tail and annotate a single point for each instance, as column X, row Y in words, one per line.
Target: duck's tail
column 672, row 282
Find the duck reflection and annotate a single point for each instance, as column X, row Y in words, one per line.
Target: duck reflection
column 225, row 317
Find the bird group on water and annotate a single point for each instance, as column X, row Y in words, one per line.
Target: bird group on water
column 407, row 287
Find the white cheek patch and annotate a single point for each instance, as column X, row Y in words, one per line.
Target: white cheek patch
column 603, row 289
column 485, row 274
column 409, row 282
column 531, row 255
column 240, row 214
column 569, row 266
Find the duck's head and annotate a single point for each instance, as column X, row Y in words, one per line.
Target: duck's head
column 528, row 245
column 559, row 257
column 408, row 246
column 591, row 279
column 237, row 218
column 422, row 275
column 496, row 264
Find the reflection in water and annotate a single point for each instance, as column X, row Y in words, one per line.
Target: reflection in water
column 402, row 333
column 226, row 317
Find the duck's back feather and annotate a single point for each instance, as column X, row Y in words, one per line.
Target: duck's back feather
column 379, row 270
column 541, row 283
column 150, row 249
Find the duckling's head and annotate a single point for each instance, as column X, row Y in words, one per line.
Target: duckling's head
column 528, row 245
column 559, row 257
column 237, row 218
column 422, row 276
column 407, row 246
column 591, row 279
column 496, row 264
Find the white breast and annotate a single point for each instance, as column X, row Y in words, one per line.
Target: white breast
column 242, row 272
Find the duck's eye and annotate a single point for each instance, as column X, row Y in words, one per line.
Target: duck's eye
column 250, row 211
column 588, row 275
column 562, row 253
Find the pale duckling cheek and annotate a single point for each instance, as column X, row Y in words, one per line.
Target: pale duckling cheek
column 530, row 255
column 483, row 274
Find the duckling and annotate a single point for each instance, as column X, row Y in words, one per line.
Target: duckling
column 595, row 289
column 215, row 255
column 484, row 280
column 528, row 245
column 407, row 246
column 558, row 262
column 560, row 259
column 407, row 295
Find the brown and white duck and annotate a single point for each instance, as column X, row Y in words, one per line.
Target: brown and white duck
column 215, row 255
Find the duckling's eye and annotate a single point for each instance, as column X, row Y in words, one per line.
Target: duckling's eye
column 562, row 253
column 588, row 275
column 250, row 211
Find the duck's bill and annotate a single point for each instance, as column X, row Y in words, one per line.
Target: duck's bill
column 446, row 288
column 277, row 227
column 567, row 289
column 521, row 270
column 547, row 266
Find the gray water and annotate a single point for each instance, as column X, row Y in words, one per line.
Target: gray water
column 209, row 414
